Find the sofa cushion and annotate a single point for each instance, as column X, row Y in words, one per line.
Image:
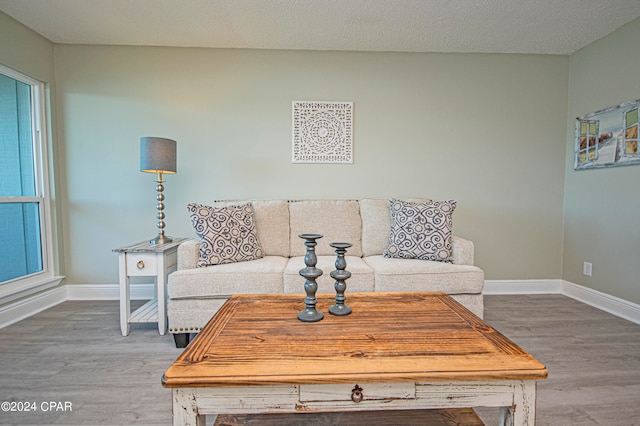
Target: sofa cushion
column 361, row 275
column 255, row 276
column 272, row 224
column 421, row 230
column 228, row 233
column 424, row 275
column 376, row 224
column 336, row 220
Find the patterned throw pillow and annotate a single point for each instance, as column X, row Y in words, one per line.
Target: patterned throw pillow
column 228, row 234
column 421, row 230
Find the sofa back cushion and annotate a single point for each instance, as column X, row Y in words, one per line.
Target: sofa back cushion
column 376, row 224
column 272, row 224
column 336, row 220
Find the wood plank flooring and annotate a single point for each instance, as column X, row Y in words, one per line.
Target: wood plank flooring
column 451, row 417
column 593, row 358
column 75, row 353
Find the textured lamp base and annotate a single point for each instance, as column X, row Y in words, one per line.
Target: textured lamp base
column 161, row 238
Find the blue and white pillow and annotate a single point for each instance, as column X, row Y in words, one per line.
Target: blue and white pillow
column 421, row 230
column 228, row 234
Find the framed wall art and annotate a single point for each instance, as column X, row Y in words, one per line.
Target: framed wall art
column 322, row 132
column 608, row 137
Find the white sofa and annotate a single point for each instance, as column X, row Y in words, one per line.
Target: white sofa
column 196, row 293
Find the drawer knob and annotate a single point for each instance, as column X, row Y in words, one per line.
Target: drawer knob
column 356, row 394
column 140, row 264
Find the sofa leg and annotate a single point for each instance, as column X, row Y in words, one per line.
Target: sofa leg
column 181, row 339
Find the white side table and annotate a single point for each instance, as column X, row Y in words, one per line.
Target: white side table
column 146, row 260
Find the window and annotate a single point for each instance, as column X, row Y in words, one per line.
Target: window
column 588, row 141
column 25, row 226
column 631, row 133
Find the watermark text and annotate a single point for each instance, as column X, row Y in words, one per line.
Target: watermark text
column 35, row 406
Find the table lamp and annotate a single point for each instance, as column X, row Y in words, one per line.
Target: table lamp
column 158, row 155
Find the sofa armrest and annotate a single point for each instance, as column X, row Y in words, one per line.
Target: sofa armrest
column 188, row 254
column 463, row 251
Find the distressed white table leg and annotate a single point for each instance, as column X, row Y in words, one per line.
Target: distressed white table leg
column 523, row 411
column 125, row 295
column 185, row 410
column 161, row 291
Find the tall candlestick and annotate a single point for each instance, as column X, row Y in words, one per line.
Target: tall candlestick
column 310, row 314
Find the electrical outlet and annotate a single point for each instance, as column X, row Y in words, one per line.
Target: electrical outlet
column 587, row 268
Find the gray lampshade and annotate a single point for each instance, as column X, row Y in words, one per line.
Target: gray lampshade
column 157, row 155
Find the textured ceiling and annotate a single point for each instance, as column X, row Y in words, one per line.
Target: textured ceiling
column 486, row 26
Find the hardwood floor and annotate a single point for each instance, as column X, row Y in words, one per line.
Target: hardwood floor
column 74, row 353
column 593, row 358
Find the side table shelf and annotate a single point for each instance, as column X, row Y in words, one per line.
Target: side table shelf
column 146, row 260
column 146, row 313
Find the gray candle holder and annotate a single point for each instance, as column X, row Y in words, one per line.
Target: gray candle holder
column 340, row 275
column 310, row 314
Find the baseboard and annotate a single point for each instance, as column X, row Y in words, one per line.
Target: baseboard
column 17, row 311
column 20, row 310
column 614, row 305
column 512, row 287
column 108, row 291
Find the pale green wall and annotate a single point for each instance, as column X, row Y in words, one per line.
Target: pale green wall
column 25, row 50
column 28, row 52
column 602, row 220
column 486, row 130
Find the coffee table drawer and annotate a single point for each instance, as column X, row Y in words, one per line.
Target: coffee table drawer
column 357, row 392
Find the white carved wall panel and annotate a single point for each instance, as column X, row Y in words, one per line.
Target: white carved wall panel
column 322, row 132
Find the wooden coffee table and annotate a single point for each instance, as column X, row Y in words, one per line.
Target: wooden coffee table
column 395, row 351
